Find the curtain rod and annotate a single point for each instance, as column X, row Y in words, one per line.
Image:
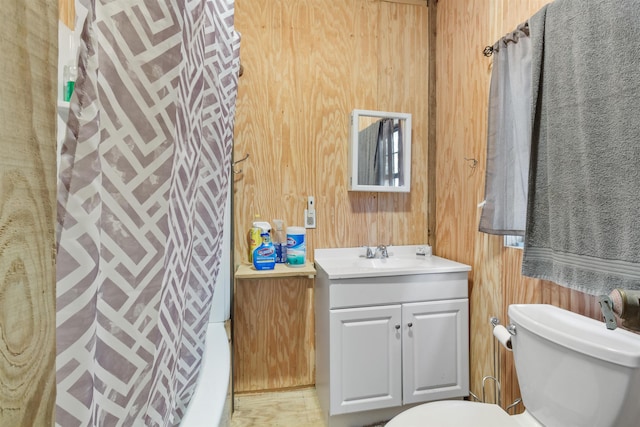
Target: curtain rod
column 512, row 37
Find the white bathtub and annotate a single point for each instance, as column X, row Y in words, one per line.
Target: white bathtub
column 210, row 405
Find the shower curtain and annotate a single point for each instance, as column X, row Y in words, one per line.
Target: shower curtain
column 143, row 175
column 367, row 147
column 504, row 210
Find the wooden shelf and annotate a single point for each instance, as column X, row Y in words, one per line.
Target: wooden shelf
column 246, row 271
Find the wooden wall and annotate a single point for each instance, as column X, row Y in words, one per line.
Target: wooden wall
column 462, row 78
column 307, row 65
column 67, row 13
column 28, row 89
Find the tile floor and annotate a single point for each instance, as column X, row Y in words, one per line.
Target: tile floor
column 296, row 408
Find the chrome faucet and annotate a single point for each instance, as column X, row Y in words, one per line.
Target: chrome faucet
column 382, row 250
column 379, row 252
column 369, row 253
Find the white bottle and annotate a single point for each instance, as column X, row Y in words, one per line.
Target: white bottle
column 280, row 242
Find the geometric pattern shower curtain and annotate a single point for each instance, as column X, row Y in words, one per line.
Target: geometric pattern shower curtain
column 143, row 177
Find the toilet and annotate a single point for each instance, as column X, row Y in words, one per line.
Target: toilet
column 572, row 371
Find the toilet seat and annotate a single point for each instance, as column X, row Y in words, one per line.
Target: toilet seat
column 460, row 413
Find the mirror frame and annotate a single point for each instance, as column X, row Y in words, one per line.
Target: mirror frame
column 353, row 151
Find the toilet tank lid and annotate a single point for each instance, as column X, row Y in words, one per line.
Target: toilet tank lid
column 579, row 333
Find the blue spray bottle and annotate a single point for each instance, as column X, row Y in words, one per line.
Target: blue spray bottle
column 264, row 256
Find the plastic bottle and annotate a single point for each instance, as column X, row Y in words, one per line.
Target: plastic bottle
column 254, row 241
column 296, row 246
column 254, row 238
column 280, row 242
column 262, row 225
column 264, row 257
column 69, row 75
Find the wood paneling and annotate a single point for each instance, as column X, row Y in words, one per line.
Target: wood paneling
column 463, row 73
column 307, row 65
column 67, row 13
column 28, row 42
column 461, row 91
column 432, row 123
column 271, row 349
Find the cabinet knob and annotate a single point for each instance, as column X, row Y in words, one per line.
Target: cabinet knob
column 397, row 326
column 409, row 324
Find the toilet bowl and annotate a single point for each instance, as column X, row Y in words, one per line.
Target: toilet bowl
column 459, row 413
column 572, row 371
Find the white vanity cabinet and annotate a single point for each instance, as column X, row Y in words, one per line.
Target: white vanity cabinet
column 435, row 350
column 365, row 358
column 391, row 355
column 391, row 341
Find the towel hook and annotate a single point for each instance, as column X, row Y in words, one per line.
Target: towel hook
column 233, row 165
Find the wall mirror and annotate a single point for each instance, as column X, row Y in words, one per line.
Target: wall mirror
column 380, row 151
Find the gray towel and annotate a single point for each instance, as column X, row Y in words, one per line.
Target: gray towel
column 583, row 220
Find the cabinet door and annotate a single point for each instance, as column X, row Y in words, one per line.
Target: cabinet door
column 365, row 353
column 435, row 354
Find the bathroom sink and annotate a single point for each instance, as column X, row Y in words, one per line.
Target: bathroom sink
column 392, row 262
column 402, row 260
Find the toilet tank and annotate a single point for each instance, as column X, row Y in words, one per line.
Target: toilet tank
column 573, row 371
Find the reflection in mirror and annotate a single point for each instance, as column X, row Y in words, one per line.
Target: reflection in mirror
column 380, row 151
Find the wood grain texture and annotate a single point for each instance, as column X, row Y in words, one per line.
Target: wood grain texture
column 298, row 407
column 247, row 271
column 463, row 73
column 517, row 289
column 432, row 118
column 307, row 65
column 271, row 328
column 461, row 92
column 28, row 41
column 67, row 13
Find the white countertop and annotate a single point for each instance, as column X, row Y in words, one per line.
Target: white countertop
column 343, row 263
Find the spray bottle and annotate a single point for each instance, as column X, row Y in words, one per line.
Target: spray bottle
column 255, row 239
column 280, row 242
column 264, row 256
